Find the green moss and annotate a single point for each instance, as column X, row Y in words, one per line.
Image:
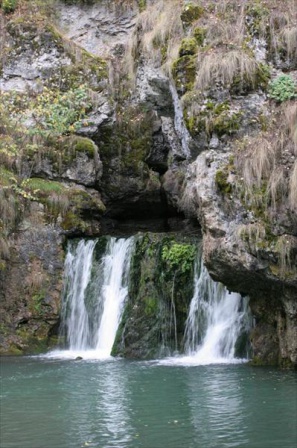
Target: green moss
column 245, row 83
column 212, row 118
column 141, row 5
column 81, row 205
column 126, row 145
column 286, row 363
column 226, row 123
column 191, row 12
column 36, row 302
column 43, row 185
column 151, row 306
column 221, row 180
column 13, row 350
column 200, row 34
column 161, row 277
column 7, row 177
column 184, row 73
column 178, row 257
column 72, row 222
column 188, row 46
column 82, row 144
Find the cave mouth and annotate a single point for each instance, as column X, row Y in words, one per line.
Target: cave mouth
column 177, row 223
column 147, row 213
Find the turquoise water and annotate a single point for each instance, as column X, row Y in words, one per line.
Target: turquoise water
column 47, row 403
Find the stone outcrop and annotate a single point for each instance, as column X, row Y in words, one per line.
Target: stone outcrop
column 159, row 296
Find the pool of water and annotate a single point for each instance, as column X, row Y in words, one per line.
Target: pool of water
column 52, row 403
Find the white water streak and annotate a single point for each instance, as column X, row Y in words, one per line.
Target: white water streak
column 87, row 338
column 114, row 291
column 215, row 321
column 179, row 124
column 78, row 266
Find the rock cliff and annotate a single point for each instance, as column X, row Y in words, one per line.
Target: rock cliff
column 126, row 115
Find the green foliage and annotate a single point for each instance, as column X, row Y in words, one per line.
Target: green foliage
column 52, row 112
column 9, row 5
column 37, row 302
column 179, row 256
column 57, row 113
column 282, row 88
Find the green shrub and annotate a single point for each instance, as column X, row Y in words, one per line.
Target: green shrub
column 9, row 5
column 59, row 113
column 282, row 88
column 179, row 257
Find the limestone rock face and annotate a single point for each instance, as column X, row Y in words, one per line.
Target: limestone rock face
column 31, row 286
column 251, row 271
column 76, row 160
column 102, row 28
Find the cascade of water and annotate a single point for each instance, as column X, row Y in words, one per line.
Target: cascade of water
column 179, row 124
column 216, row 320
column 114, row 291
column 75, row 317
column 91, row 328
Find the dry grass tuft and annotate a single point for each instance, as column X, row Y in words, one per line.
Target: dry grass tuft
column 8, row 209
column 265, row 163
column 293, row 188
column 284, row 249
column 161, row 31
column 252, row 235
column 4, row 249
column 290, row 112
column 224, row 67
column 288, row 38
column 259, row 162
column 277, row 187
column 231, row 30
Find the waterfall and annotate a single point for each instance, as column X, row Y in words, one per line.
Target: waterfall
column 179, row 124
column 114, row 291
column 90, row 323
column 75, row 317
column 217, row 324
column 216, row 321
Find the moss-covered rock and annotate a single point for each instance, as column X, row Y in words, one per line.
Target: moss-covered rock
column 188, row 46
column 191, row 12
column 160, row 289
column 246, row 83
column 184, row 72
column 210, row 117
column 199, row 34
column 222, row 183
